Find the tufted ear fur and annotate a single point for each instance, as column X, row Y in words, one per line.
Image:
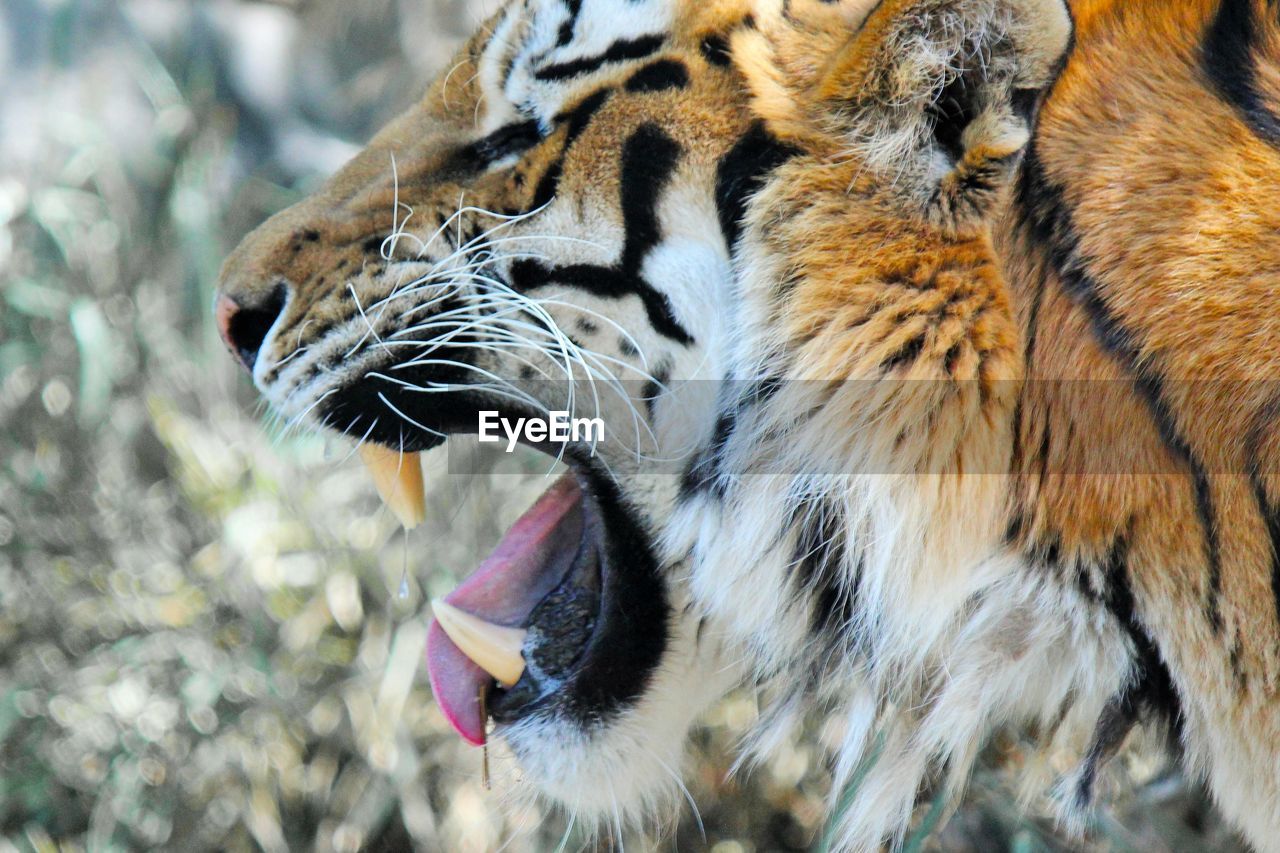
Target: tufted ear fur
column 941, row 94
column 936, row 97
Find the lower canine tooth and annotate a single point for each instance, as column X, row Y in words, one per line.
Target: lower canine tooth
column 398, row 478
column 493, row 648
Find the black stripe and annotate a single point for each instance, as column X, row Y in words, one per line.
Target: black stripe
column 1152, row 691
column 1032, row 337
column 1237, row 666
column 1114, row 724
column 505, row 141
column 548, row 184
column 619, row 51
column 607, row 282
column 1229, row 57
column 1044, row 211
column 1207, row 515
column 580, row 116
column 654, row 387
column 1266, row 507
column 566, row 29
column 704, row 471
column 715, row 49
column 576, row 120
column 818, row 563
column 905, row 356
column 703, row 474
column 741, row 173
column 659, row 76
column 649, row 159
column 1015, row 533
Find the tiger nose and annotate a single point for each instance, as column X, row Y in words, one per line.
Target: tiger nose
column 245, row 325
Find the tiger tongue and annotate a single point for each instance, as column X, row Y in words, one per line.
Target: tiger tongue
column 530, row 561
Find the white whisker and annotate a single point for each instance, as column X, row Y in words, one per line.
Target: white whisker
column 408, row 419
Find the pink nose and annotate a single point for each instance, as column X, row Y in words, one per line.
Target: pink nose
column 224, row 311
column 244, row 328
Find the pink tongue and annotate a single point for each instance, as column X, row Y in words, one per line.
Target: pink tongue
column 528, row 563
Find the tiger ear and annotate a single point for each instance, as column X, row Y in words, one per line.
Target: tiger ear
column 940, row 95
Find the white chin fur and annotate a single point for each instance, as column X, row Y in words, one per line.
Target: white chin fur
column 627, row 770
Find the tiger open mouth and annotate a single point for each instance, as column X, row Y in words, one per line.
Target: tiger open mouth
column 565, row 618
column 518, row 627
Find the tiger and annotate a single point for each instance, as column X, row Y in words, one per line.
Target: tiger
column 933, row 340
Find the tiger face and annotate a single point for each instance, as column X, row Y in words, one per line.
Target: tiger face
column 694, row 221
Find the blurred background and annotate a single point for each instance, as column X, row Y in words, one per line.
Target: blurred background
column 205, row 640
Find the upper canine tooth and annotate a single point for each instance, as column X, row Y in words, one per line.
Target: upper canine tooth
column 398, row 478
column 493, row 648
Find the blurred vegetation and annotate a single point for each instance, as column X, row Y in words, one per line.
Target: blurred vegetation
column 203, row 644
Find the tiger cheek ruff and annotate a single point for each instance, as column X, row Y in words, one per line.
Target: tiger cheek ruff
column 920, row 343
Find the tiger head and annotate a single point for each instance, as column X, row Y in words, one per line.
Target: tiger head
column 658, row 213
